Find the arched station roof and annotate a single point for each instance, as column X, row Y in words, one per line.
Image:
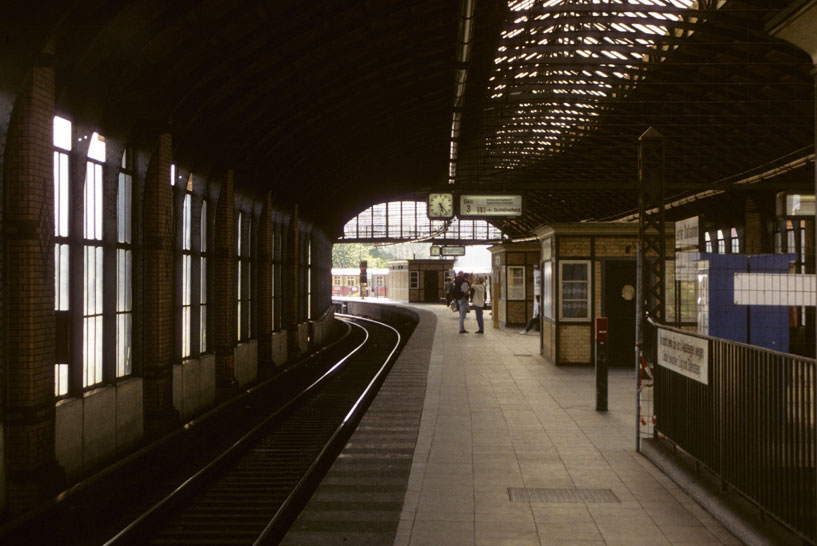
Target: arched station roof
column 341, row 105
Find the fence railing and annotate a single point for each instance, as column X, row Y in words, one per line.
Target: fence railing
column 753, row 424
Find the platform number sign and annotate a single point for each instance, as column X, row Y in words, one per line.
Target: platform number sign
column 490, row 206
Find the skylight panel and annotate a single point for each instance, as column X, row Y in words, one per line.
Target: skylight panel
column 525, row 70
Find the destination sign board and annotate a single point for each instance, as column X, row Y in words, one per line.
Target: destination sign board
column 490, row 205
column 453, row 250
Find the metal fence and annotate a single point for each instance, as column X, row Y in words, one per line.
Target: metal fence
column 753, row 424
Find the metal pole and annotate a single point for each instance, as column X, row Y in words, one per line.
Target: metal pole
column 651, row 248
column 639, row 338
column 814, row 388
column 601, row 363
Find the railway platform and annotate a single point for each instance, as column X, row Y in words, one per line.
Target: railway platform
column 499, row 448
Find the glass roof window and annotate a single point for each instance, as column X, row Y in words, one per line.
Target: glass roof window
column 401, row 221
column 559, row 60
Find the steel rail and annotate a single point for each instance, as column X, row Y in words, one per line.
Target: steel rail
column 124, row 534
column 86, row 484
column 280, row 514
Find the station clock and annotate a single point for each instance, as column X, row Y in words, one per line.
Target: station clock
column 440, row 206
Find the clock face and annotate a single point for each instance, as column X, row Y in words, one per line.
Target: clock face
column 440, row 205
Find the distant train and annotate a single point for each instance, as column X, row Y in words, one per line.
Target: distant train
column 346, row 282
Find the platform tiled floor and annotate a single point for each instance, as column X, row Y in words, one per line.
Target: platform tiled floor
column 497, row 416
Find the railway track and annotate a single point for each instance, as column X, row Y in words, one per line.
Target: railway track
column 238, row 488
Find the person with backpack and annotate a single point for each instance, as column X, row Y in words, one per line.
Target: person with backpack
column 460, row 292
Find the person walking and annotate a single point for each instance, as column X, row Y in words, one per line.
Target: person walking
column 462, row 290
column 534, row 320
column 478, row 301
column 447, row 287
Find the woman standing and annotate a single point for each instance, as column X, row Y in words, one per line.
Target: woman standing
column 478, row 302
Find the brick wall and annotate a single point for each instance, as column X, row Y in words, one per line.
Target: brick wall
column 28, row 293
column 515, row 258
column 753, row 232
column 224, row 287
column 575, row 344
column 517, row 312
column 157, row 304
column 616, row 247
column 322, row 272
column 574, row 247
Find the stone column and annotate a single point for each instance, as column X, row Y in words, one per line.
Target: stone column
column 293, row 274
column 224, row 289
column 159, row 324
column 264, row 284
column 31, row 469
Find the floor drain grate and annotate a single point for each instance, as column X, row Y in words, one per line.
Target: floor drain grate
column 521, row 355
column 523, row 494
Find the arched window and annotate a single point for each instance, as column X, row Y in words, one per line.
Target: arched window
column 309, row 279
column 735, row 241
column 187, row 262
column 244, row 293
column 277, row 277
column 203, row 297
column 248, row 276
column 92, row 267
column 408, row 220
column 62, row 149
column 124, row 269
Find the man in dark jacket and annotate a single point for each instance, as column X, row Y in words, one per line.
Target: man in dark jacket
column 460, row 293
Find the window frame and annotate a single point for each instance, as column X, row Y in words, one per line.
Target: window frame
column 186, row 262
column 62, row 168
column 414, row 280
column 244, row 260
column 124, row 268
column 93, row 271
column 309, row 278
column 238, row 277
column 277, row 287
column 589, row 292
column 509, row 275
column 203, row 232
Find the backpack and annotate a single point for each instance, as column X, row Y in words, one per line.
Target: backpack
column 456, row 293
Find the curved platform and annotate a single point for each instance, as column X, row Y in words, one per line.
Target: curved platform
column 508, row 450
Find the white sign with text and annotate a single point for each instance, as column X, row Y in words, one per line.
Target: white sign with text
column 686, row 355
column 686, row 233
column 490, row 205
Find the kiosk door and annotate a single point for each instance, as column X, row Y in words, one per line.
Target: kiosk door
column 431, row 287
column 619, row 308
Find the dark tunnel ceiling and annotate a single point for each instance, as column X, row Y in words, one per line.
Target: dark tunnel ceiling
column 338, row 105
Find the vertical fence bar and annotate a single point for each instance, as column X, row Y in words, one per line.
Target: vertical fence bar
column 812, row 517
column 812, row 484
column 799, row 441
column 639, row 342
column 788, row 443
column 717, row 388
